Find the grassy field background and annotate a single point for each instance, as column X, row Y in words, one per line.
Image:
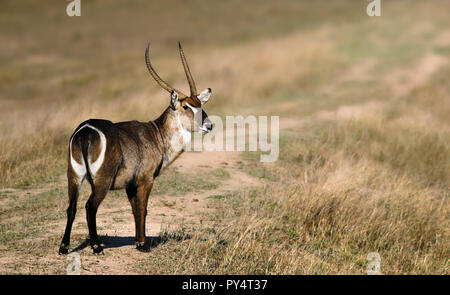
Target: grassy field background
column 364, row 106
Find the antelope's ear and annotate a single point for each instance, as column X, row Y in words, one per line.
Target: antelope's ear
column 174, row 102
column 204, row 95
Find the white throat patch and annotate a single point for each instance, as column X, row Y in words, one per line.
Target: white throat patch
column 186, row 135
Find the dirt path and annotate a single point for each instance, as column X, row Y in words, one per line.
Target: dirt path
column 115, row 221
column 401, row 82
column 165, row 211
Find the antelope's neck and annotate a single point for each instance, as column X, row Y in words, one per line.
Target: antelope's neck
column 175, row 137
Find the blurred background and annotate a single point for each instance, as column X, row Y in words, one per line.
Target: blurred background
column 57, row 71
column 363, row 102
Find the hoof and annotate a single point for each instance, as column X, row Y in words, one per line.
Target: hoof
column 143, row 247
column 63, row 249
column 98, row 249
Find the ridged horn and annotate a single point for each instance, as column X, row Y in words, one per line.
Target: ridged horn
column 188, row 72
column 157, row 78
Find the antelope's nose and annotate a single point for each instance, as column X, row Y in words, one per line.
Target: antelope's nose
column 208, row 125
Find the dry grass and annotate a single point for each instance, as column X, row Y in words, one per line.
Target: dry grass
column 364, row 164
column 345, row 188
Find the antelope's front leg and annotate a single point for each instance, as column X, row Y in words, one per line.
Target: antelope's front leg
column 139, row 199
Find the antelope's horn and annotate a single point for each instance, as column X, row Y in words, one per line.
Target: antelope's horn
column 188, row 72
column 157, row 78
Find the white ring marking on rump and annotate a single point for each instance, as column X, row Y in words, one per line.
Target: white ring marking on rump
column 93, row 167
column 80, row 169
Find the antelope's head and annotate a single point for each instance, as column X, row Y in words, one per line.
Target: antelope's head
column 188, row 109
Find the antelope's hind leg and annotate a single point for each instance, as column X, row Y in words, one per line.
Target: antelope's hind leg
column 74, row 185
column 97, row 196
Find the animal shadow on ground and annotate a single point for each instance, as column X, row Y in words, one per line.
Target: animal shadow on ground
column 117, row 242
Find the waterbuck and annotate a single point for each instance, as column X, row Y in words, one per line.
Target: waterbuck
column 130, row 155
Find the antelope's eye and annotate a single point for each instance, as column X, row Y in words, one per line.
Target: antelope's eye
column 185, row 107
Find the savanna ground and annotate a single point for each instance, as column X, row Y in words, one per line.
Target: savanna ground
column 364, row 107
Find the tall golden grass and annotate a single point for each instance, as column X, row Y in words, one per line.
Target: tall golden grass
column 342, row 189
